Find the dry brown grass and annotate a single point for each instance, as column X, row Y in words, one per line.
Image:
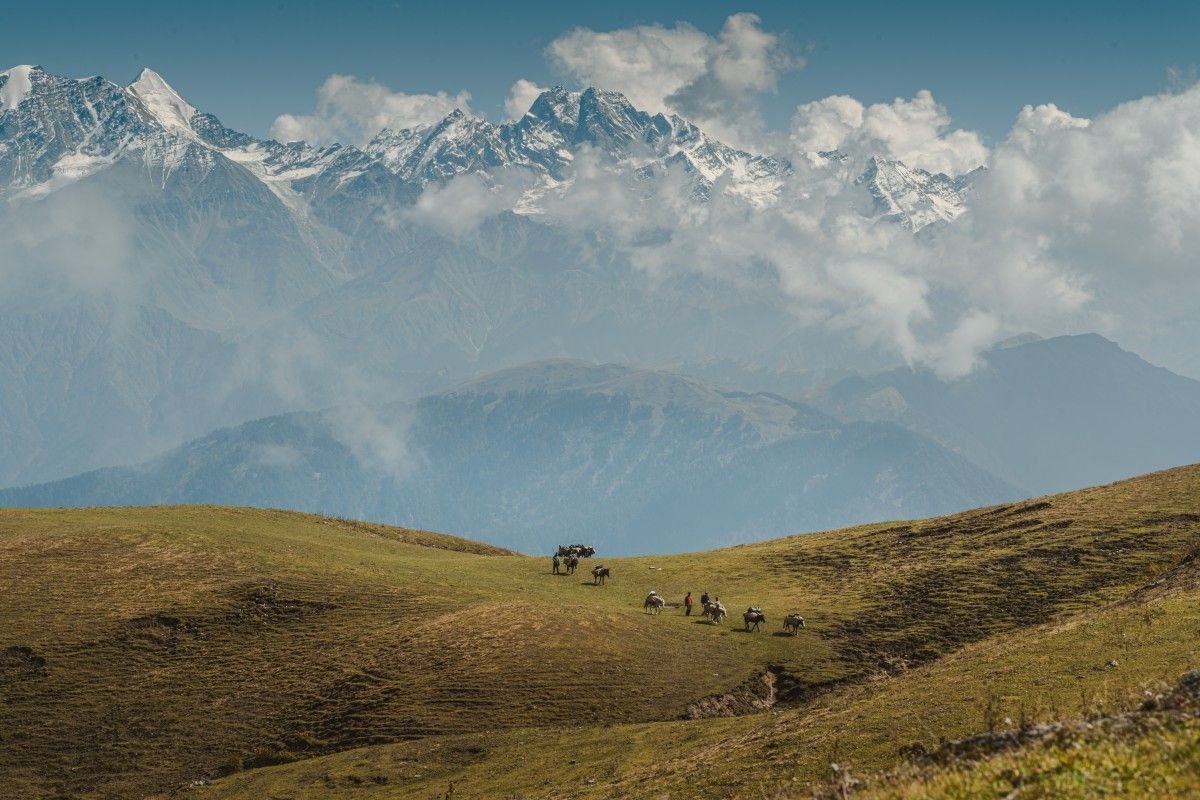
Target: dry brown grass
column 168, row 645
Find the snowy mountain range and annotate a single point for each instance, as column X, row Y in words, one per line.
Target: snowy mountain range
column 57, row 130
column 164, row 275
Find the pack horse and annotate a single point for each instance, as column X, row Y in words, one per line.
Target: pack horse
column 654, row 603
column 754, row 617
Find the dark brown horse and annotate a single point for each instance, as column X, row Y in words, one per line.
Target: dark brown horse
column 600, row 575
column 753, row 618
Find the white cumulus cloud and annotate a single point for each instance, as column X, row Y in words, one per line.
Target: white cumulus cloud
column 714, row 81
column 351, row 111
column 1076, row 224
column 1101, row 214
column 520, row 98
column 915, row 131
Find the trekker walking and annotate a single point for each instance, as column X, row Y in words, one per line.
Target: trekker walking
column 704, row 600
column 556, row 563
column 687, row 605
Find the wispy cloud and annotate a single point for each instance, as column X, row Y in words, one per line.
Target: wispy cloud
column 69, row 245
column 461, row 204
column 351, row 111
column 915, row 131
column 299, row 369
column 520, row 98
column 716, row 81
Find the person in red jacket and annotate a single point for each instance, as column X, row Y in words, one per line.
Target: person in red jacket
column 687, row 604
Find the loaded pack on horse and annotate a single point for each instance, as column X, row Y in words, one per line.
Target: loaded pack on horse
column 754, row 617
column 792, row 623
column 600, row 574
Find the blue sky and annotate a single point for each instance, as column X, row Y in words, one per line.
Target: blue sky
column 250, row 62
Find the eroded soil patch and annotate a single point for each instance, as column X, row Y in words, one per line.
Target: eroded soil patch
column 20, row 663
column 761, row 692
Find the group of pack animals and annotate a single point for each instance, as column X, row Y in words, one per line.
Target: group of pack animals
column 570, row 555
column 715, row 612
column 577, row 550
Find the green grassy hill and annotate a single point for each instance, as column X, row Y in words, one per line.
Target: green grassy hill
column 267, row 654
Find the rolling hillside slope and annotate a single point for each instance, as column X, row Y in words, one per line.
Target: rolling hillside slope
column 149, row 649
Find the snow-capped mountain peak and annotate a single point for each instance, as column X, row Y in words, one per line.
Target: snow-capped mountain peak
column 914, row 197
column 394, row 148
column 15, row 85
column 57, row 131
column 164, row 103
column 558, row 106
column 61, row 130
column 546, row 139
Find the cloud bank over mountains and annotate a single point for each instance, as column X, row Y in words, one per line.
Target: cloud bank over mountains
column 914, row 131
column 713, row 81
column 1075, row 225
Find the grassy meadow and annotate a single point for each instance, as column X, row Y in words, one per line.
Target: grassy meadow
column 239, row 653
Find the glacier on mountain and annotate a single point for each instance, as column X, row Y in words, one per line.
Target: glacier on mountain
column 15, row 86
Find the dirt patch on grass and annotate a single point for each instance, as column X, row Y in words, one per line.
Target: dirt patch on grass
column 158, row 630
column 762, row 692
column 259, row 605
column 253, row 606
column 20, row 663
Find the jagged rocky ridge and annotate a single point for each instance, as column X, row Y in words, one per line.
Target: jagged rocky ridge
column 57, row 130
column 169, row 275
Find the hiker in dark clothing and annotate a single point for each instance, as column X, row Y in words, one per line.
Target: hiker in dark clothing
column 556, row 563
column 687, row 605
column 704, row 600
